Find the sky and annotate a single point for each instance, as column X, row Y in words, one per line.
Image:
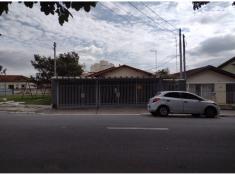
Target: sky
column 121, row 34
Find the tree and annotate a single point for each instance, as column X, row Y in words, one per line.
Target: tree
column 2, row 71
column 198, row 4
column 67, row 65
column 163, row 73
column 59, row 8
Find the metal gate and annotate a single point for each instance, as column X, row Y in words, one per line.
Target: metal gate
column 230, row 93
column 78, row 92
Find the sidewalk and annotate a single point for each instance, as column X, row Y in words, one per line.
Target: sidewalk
column 46, row 109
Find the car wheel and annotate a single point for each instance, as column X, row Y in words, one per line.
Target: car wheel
column 210, row 112
column 163, row 111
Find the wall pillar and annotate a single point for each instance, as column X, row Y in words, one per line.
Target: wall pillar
column 220, row 93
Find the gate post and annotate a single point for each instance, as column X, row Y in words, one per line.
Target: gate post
column 136, row 93
column 97, row 93
column 57, row 93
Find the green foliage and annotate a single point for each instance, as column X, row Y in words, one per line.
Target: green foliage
column 67, row 65
column 198, row 4
column 28, row 99
column 163, row 73
column 60, row 8
column 44, row 66
column 2, row 71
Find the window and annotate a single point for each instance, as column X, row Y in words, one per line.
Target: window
column 190, row 96
column 11, row 86
column 172, row 95
column 204, row 90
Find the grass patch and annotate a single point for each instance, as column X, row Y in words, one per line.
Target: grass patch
column 28, row 99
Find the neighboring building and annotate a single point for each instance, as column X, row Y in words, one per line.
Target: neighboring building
column 228, row 66
column 13, row 82
column 101, row 66
column 211, row 83
column 122, row 71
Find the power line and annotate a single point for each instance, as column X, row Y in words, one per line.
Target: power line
column 101, row 4
column 158, row 15
column 110, row 9
column 161, row 65
column 129, row 13
column 147, row 17
column 151, row 19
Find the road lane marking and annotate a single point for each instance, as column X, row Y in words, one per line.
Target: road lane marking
column 136, row 128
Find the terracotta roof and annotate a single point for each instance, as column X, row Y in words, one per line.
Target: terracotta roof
column 205, row 68
column 100, row 73
column 227, row 62
column 13, row 78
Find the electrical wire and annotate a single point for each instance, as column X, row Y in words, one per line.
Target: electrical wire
column 158, row 15
column 173, row 32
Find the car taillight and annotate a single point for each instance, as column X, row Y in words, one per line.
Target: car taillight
column 156, row 100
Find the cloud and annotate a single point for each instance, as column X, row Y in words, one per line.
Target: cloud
column 215, row 45
column 16, row 61
column 90, row 50
column 105, row 34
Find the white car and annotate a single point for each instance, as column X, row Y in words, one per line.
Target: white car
column 181, row 102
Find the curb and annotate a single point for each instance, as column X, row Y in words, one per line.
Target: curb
column 89, row 114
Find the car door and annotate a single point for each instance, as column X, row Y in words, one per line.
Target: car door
column 172, row 99
column 191, row 103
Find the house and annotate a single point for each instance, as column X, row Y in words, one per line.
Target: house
column 123, row 71
column 228, row 66
column 211, row 83
column 13, row 81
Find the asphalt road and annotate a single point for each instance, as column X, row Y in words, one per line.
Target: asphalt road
column 39, row 143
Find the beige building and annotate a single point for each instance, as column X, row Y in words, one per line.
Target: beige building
column 211, row 83
column 228, row 66
column 101, row 66
column 122, row 71
column 13, row 83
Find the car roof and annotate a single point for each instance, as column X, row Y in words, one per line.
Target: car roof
column 174, row 91
column 165, row 92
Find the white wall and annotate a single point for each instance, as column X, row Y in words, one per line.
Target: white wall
column 209, row 77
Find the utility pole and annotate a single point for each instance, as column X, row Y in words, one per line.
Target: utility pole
column 180, row 52
column 155, row 52
column 184, row 57
column 55, row 74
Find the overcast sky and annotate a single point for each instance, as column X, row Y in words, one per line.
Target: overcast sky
column 121, row 35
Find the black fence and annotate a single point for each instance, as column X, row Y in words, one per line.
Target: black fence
column 79, row 92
